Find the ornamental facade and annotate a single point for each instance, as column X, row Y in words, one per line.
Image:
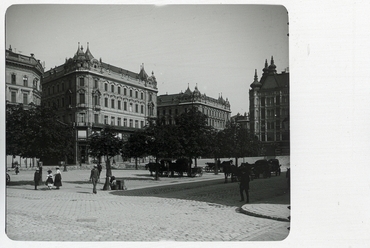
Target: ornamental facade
column 217, row 110
column 22, row 78
column 90, row 94
column 269, row 110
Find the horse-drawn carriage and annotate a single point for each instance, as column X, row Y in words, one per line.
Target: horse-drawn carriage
column 266, row 167
column 167, row 167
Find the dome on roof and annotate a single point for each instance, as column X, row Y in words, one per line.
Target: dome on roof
column 255, row 83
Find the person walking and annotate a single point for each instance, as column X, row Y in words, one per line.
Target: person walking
column 58, row 179
column 100, row 168
column 49, row 180
column 94, row 176
column 37, row 178
column 244, row 183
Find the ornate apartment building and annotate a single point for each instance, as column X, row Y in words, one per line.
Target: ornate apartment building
column 22, row 78
column 217, row 110
column 269, row 110
column 90, row 93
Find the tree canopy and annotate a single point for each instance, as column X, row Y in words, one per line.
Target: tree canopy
column 37, row 132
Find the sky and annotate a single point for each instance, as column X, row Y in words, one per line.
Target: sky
column 214, row 47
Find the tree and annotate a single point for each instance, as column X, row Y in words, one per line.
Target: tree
column 194, row 133
column 135, row 147
column 237, row 142
column 105, row 144
column 37, row 132
column 162, row 140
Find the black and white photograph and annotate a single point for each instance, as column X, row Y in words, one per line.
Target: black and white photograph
column 191, row 124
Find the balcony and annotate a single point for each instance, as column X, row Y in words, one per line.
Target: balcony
column 81, row 105
column 97, row 107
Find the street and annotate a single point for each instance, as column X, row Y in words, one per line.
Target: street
column 171, row 209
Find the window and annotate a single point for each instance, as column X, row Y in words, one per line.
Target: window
column 70, row 100
column 119, row 90
column 136, row 108
column 142, row 95
column 106, row 87
column 112, row 103
column 96, row 83
column 141, row 124
column 136, row 94
column 81, row 117
column 119, row 104
column 82, row 82
column 82, row 98
column 150, row 97
column 25, row 81
column 96, row 100
column 105, row 119
column 25, row 98
column 125, row 106
column 124, row 91
column 164, row 112
column 131, row 123
column 112, row 88
column 136, row 124
column 96, row 118
column 62, row 101
column 130, row 93
column 130, row 107
column 13, row 79
column 106, row 102
column 112, row 120
column 118, row 121
column 125, row 122
column 142, row 109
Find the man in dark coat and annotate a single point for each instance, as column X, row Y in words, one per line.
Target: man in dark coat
column 100, row 168
column 37, row 178
column 94, row 176
column 244, row 183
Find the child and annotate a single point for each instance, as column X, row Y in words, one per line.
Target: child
column 49, row 180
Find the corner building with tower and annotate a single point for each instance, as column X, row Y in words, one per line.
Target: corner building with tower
column 269, row 110
column 90, row 94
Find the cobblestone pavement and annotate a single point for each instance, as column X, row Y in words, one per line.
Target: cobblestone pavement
column 73, row 213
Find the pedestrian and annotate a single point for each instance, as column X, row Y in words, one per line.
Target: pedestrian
column 94, row 176
column 16, row 169
column 100, row 168
column 40, row 169
column 37, row 178
column 58, row 179
column 113, row 183
column 244, row 183
column 49, row 180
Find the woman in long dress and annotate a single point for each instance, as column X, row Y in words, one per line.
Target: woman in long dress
column 58, row 179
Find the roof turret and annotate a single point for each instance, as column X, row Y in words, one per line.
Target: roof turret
column 255, row 83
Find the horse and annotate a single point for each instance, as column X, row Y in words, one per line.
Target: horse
column 229, row 169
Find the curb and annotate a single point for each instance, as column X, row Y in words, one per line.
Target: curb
column 241, row 210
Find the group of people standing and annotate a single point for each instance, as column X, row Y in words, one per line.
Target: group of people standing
column 50, row 181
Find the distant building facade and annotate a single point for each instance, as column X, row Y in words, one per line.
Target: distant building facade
column 242, row 120
column 269, row 110
column 217, row 110
column 22, row 78
column 90, row 94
